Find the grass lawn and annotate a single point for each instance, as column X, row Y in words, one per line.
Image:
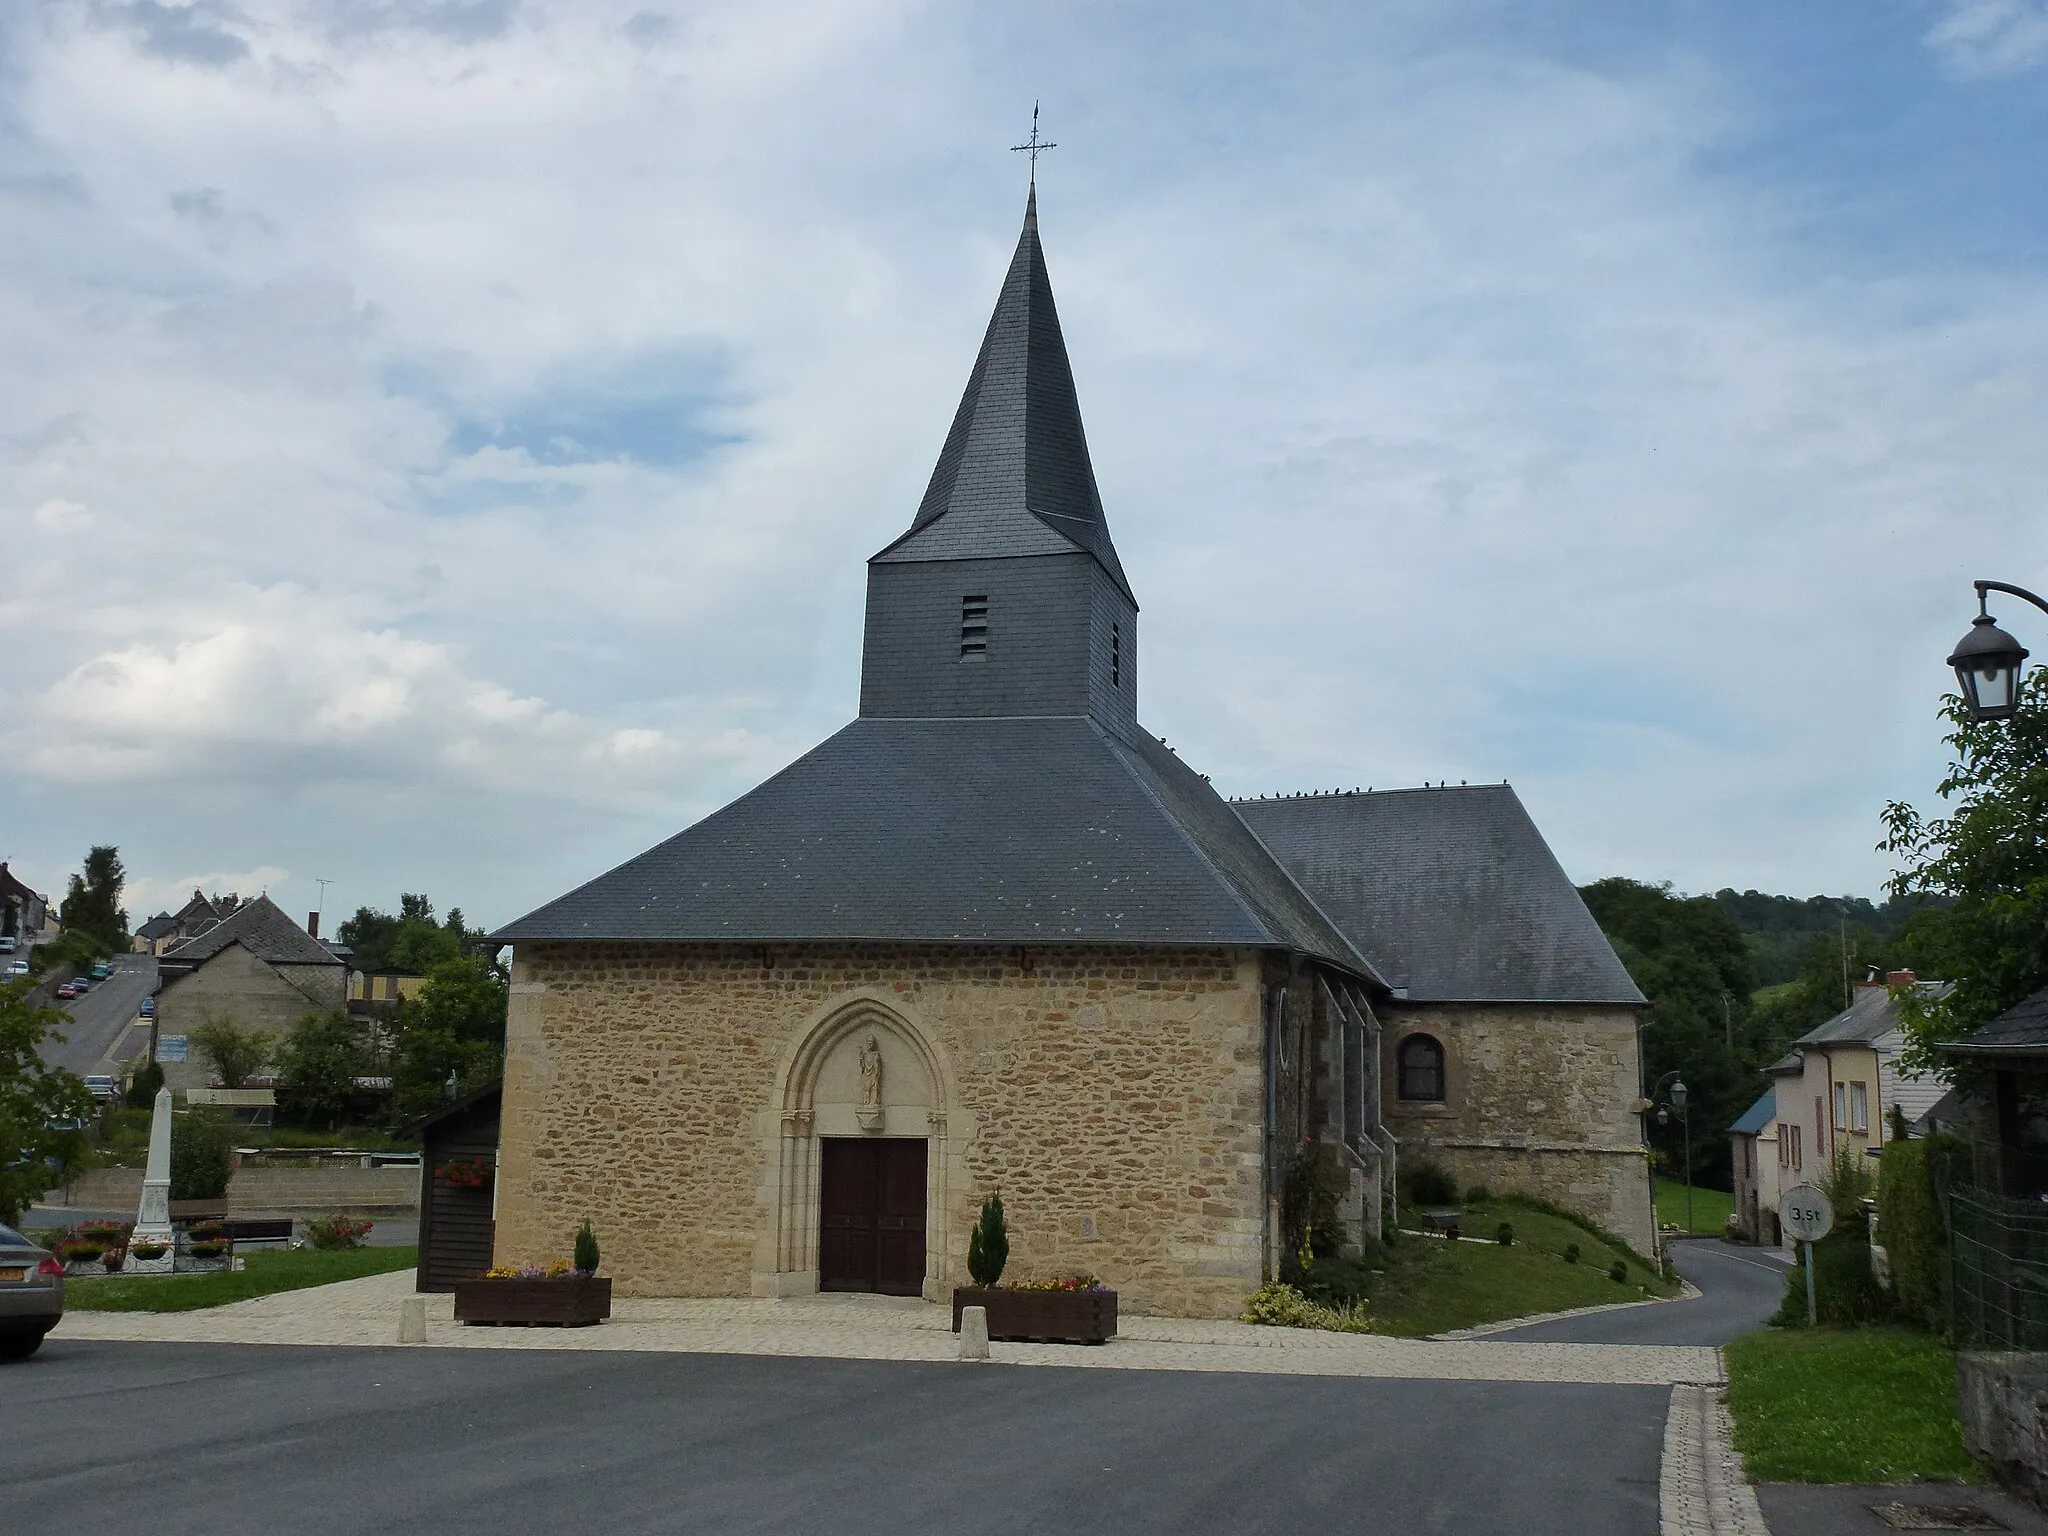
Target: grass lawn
column 264, row 1273
column 1432, row 1286
column 1846, row 1405
column 1710, row 1207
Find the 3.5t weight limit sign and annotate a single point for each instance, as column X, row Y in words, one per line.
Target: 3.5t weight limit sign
column 1804, row 1212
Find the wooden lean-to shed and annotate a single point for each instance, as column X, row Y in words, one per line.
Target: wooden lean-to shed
column 458, row 1189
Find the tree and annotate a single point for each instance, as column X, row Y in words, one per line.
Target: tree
column 455, row 1027
column 38, row 1104
column 93, row 903
column 1691, row 962
column 1989, row 856
column 236, row 1053
column 412, row 941
column 318, row 1064
column 202, row 1155
column 988, row 1245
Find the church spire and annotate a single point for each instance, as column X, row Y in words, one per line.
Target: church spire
column 1014, row 476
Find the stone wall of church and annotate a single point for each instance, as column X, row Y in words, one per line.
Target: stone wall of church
column 1538, row 1099
column 1114, row 1096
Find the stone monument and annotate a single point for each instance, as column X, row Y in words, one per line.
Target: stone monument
column 153, row 1216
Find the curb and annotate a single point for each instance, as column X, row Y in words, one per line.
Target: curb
column 1687, row 1291
column 1701, row 1487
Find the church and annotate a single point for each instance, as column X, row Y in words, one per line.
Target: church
column 994, row 936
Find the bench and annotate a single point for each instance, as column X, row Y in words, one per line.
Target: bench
column 260, row 1229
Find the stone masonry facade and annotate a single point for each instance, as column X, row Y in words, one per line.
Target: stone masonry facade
column 1537, row 1100
column 235, row 984
column 673, row 1092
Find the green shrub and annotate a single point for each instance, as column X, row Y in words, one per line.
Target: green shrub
column 1339, row 1281
column 1909, row 1222
column 142, row 1088
column 1618, row 1272
column 1846, row 1293
column 1277, row 1304
column 1478, row 1194
column 586, row 1248
column 1571, row 1253
column 338, row 1231
column 1312, row 1202
column 202, row 1155
column 988, row 1245
column 1504, row 1234
column 1426, row 1183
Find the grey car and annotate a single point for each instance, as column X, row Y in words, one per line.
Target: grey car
column 31, row 1294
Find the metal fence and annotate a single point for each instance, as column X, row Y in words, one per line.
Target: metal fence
column 1998, row 1271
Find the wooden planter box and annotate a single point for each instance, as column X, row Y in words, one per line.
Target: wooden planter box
column 1056, row 1317
column 572, row 1303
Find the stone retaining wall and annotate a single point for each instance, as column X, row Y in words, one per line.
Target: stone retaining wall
column 265, row 1191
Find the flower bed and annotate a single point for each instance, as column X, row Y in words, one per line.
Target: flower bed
column 1075, row 1310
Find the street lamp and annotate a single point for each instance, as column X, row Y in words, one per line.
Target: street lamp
column 1677, row 1098
column 1988, row 660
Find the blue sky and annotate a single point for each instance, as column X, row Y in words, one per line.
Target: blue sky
column 439, row 442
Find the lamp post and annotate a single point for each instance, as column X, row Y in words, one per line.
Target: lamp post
column 1988, row 660
column 1676, row 1099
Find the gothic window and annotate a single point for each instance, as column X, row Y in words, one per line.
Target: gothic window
column 1419, row 1069
column 974, row 628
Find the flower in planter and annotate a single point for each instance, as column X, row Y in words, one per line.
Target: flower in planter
column 553, row 1269
column 149, row 1253
column 464, row 1174
column 1079, row 1281
column 207, row 1250
column 83, row 1253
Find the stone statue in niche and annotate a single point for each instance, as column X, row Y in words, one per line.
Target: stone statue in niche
column 870, row 1112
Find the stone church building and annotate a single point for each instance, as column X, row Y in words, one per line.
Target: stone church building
column 994, row 935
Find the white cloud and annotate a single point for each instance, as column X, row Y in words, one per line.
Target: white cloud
column 1991, row 37
column 145, row 896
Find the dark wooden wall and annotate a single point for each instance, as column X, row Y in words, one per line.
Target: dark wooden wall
column 456, row 1229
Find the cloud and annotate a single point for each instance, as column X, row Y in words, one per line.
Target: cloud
column 145, row 896
column 1992, row 37
column 193, row 33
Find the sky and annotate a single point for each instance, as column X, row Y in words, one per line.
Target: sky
column 440, row 440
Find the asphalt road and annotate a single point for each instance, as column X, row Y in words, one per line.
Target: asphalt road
column 1739, row 1289
column 230, row 1439
column 99, row 1034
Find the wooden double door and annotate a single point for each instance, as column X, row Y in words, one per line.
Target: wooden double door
column 871, row 1219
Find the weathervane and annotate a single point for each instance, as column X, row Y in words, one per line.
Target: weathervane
column 1032, row 147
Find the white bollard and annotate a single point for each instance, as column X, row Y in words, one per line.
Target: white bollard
column 974, row 1333
column 412, row 1320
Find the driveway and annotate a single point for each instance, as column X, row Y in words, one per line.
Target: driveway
column 226, row 1439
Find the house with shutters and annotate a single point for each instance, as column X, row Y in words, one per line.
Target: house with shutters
column 995, row 935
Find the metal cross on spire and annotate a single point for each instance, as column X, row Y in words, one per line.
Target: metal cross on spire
column 1033, row 147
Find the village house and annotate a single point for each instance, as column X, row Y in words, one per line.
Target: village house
column 255, row 966
column 23, row 913
column 1754, row 1155
column 996, row 936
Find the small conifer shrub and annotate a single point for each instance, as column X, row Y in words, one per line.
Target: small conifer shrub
column 1504, row 1234
column 586, row 1249
column 1571, row 1253
column 1618, row 1273
column 988, row 1245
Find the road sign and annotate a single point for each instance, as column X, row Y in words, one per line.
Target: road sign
column 1804, row 1212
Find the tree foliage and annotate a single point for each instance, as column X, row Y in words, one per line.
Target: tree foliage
column 411, row 942
column 1689, row 959
column 37, row 1103
column 202, row 1154
column 1989, row 857
column 235, row 1052
column 317, row 1067
column 93, row 904
column 988, row 1245
column 454, row 1028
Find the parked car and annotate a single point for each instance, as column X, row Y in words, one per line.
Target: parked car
column 100, row 1086
column 17, row 967
column 101, row 970
column 68, row 990
column 8, row 944
column 31, row 1294
column 149, row 1008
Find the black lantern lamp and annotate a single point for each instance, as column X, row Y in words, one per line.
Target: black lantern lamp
column 1678, row 1092
column 1988, row 661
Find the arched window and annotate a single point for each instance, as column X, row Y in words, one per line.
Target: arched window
column 1419, row 1068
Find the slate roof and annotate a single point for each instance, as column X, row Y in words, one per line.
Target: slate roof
column 1872, row 1013
column 991, row 830
column 1757, row 1116
column 2021, row 1030
column 158, row 927
column 1452, row 894
column 1014, row 476
column 261, row 927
